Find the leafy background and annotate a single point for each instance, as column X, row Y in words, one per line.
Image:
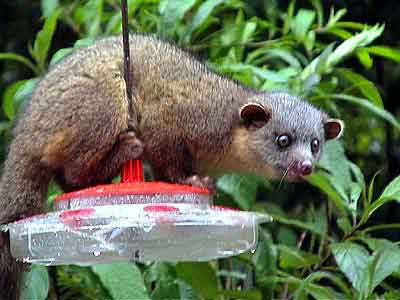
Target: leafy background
column 334, row 236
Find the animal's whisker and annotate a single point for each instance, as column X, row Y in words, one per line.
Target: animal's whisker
column 285, row 174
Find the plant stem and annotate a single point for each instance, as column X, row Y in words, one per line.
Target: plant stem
column 381, row 227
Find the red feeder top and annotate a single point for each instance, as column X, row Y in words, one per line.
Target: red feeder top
column 132, row 183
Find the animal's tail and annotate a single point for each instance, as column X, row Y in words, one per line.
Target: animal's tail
column 10, row 272
column 23, row 188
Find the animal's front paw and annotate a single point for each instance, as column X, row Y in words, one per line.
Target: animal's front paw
column 130, row 145
column 201, row 182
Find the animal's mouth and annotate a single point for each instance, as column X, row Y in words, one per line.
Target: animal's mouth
column 292, row 173
column 294, row 176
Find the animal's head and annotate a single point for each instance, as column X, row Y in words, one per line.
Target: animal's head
column 286, row 133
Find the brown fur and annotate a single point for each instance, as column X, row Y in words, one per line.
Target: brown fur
column 75, row 128
column 238, row 158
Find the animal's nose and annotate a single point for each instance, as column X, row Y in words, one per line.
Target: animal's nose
column 305, row 167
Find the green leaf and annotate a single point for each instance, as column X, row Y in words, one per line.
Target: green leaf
column 303, row 287
column 241, row 188
column 344, row 224
column 380, row 112
column 343, row 182
column 382, row 264
column 320, row 12
column 43, row 39
column 351, row 25
column 355, row 193
column 21, row 59
column 386, row 52
column 159, row 271
column 91, row 15
column 84, row 42
column 186, row 291
column 357, row 173
column 4, row 125
column 288, row 17
column 384, row 261
column 248, row 294
column 335, row 17
column 24, row 92
column 265, row 261
column 366, row 87
column 171, row 13
column 48, row 7
column 263, row 54
column 391, row 192
column 352, row 260
column 321, row 181
column 206, row 285
column 320, row 292
column 293, row 258
column 8, row 98
column 163, row 277
column 392, row 295
column 52, row 191
column 311, row 74
column 371, row 188
column 364, row 58
column 334, row 160
column 335, row 279
column 265, row 257
column 35, row 283
column 297, row 223
column 235, row 34
column 302, row 23
column 122, row 280
column 377, row 244
column 341, row 33
column 286, row 236
column 276, row 76
column 114, row 24
column 166, row 290
column 309, row 41
column 232, row 274
column 340, row 174
column 359, row 40
column 203, row 12
column 79, row 283
column 60, row 54
column 247, row 32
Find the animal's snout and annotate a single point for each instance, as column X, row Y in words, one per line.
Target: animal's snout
column 303, row 168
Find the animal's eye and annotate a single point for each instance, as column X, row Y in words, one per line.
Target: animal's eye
column 314, row 145
column 283, row 141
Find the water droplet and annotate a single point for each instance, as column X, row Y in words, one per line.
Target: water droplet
column 147, row 227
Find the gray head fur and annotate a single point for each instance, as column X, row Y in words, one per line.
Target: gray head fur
column 292, row 137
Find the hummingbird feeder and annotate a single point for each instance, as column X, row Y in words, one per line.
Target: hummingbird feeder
column 134, row 221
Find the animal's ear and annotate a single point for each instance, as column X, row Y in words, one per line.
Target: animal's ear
column 333, row 128
column 254, row 115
